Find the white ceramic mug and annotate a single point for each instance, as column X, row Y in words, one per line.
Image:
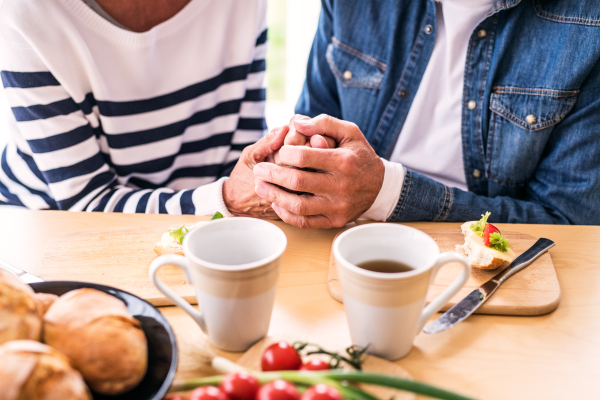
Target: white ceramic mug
column 233, row 264
column 385, row 310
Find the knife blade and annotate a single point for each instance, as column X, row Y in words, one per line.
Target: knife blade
column 22, row 275
column 477, row 297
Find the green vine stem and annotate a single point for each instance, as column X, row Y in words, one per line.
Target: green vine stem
column 337, row 379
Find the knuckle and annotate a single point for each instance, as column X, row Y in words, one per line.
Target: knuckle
column 303, row 223
column 296, row 182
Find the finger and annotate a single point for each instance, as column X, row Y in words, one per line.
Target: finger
column 293, row 179
column 307, row 157
column 302, row 221
column 321, row 142
column 260, row 150
column 293, row 138
column 341, row 131
column 298, row 204
column 297, row 117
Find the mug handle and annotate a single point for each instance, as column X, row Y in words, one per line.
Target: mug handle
column 451, row 290
column 182, row 263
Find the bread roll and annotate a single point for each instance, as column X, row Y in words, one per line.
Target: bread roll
column 44, row 301
column 19, row 315
column 32, row 370
column 102, row 340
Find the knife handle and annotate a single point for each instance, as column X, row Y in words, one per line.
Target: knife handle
column 529, row 256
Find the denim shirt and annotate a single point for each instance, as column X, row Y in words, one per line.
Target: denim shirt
column 531, row 146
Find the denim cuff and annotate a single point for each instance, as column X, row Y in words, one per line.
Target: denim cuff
column 422, row 199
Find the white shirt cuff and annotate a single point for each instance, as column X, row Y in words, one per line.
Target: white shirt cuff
column 389, row 194
column 209, row 198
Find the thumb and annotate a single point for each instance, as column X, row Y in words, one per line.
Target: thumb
column 341, row 131
column 270, row 143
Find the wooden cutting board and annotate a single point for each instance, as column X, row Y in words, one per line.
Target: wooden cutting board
column 251, row 360
column 117, row 257
column 532, row 291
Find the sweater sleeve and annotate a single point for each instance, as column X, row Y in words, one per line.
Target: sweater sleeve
column 55, row 157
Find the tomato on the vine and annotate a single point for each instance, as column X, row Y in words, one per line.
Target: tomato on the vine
column 315, row 364
column 278, row 390
column 321, row 392
column 240, row 386
column 280, row 356
column 208, row 393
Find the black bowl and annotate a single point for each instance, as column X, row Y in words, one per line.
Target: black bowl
column 162, row 348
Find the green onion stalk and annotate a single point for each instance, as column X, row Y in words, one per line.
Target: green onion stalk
column 338, row 379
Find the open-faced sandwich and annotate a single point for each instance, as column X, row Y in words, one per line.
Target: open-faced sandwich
column 485, row 247
column 171, row 241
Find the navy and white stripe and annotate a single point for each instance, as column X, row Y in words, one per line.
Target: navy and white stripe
column 73, row 151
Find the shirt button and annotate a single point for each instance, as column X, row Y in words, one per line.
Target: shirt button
column 482, row 33
column 403, row 94
column 348, row 75
column 476, row 173
column 531, row 119
column 472, row 104
column 428, row 29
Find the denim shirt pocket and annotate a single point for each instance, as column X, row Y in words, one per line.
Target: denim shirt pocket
column 520, row 125
column 353, row 68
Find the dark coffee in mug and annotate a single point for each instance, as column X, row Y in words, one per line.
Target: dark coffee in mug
column 388, row 266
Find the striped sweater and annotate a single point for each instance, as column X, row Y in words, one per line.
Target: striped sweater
column 111, row 120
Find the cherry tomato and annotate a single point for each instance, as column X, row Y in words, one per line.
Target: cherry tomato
column 487, row 231
column 240, row 386
column 315, row 364
column 321, row 392
column 208, row 393
column 278, row 390
column 280, row 357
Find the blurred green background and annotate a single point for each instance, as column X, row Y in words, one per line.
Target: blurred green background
column 276, row 55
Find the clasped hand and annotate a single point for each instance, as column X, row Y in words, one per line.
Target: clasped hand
column 341, row 182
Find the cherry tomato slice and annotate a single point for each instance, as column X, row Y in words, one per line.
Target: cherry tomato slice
column 278, row 390
column 208, row 393
column 240, row 386
column 487, row 231
column 321, row 392
column 280, row 356
column 315, row 364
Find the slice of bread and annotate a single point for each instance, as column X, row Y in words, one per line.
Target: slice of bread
column 168, row 245
column 480, row 256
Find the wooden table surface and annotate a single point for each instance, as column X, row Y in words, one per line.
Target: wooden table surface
column 554, row 356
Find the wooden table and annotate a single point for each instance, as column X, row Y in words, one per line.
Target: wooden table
column 554, row 356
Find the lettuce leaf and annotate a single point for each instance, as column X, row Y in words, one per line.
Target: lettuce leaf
column 479, row 226
column 217, row 215
column 179, row 234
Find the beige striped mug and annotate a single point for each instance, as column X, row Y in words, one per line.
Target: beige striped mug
column 385, row 310
column 233, row 264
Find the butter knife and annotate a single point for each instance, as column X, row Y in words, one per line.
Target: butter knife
column 477, row 297
column 22, row 275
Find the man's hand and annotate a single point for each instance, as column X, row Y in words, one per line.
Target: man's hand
column 295, row 138
column 349, row 180
column 238, row 191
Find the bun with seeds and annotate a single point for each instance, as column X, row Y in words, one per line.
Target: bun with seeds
column 484, row 246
